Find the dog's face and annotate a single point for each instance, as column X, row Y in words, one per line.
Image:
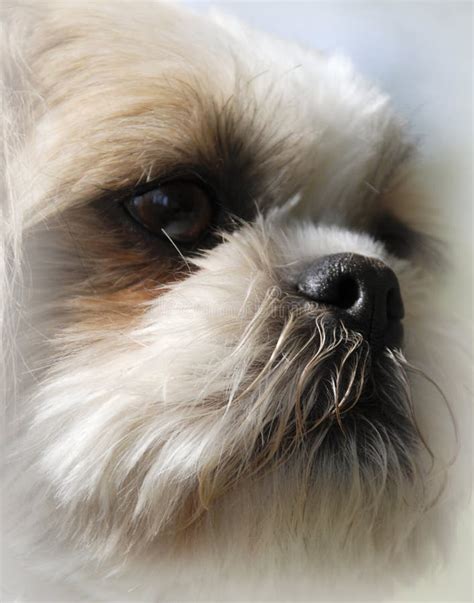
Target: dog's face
column 235, row 249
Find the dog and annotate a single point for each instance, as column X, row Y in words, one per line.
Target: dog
column 225, row 372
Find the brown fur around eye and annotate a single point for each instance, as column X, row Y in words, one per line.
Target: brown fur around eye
column 117, row 277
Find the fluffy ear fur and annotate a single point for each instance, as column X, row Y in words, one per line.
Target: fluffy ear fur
column 180, row 422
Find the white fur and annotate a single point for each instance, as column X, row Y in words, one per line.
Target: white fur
column 112, row 429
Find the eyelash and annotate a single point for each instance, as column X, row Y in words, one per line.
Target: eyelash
column 399, row 238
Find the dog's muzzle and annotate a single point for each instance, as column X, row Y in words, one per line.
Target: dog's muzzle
column 362, row 292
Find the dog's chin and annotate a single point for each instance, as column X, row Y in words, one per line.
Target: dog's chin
column 333, row 418
column 326, row 391
column 338, row 472
column 338, row 469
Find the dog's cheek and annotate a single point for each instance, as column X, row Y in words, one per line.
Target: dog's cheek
column 127, row 450
column 112, row 309
column 112, row 278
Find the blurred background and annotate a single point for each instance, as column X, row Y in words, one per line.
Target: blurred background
column 421, row 54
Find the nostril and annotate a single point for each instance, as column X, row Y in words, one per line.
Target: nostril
column 347, row 292
column 339, row 290
column 362, row 292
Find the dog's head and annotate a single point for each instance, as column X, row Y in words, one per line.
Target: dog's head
column 229, row 247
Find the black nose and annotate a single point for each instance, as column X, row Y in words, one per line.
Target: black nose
column 362, row 291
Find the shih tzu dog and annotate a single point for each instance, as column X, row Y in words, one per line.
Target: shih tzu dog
column 225, row 375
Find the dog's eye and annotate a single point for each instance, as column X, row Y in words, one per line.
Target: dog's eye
column 398, row 238
column 180, row 209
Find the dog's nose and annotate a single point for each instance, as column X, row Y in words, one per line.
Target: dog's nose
column 363, row 292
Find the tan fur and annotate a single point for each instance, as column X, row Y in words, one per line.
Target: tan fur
column 180, row 411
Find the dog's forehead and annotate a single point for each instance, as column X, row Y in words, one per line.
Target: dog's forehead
column 132, row 98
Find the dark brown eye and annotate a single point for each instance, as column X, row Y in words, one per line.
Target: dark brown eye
column 181, row 210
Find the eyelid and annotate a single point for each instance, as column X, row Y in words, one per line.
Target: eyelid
column 402, row 240
column 182, row 174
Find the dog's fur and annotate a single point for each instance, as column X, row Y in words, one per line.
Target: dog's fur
column 178, row 423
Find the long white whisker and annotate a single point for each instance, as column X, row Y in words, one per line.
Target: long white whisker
column 177, row 249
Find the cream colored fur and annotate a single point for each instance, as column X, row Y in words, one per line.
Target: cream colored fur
column 135, row 468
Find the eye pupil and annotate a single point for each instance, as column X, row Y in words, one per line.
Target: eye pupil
column 181, row 209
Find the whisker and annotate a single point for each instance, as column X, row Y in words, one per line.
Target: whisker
column 177, row 249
